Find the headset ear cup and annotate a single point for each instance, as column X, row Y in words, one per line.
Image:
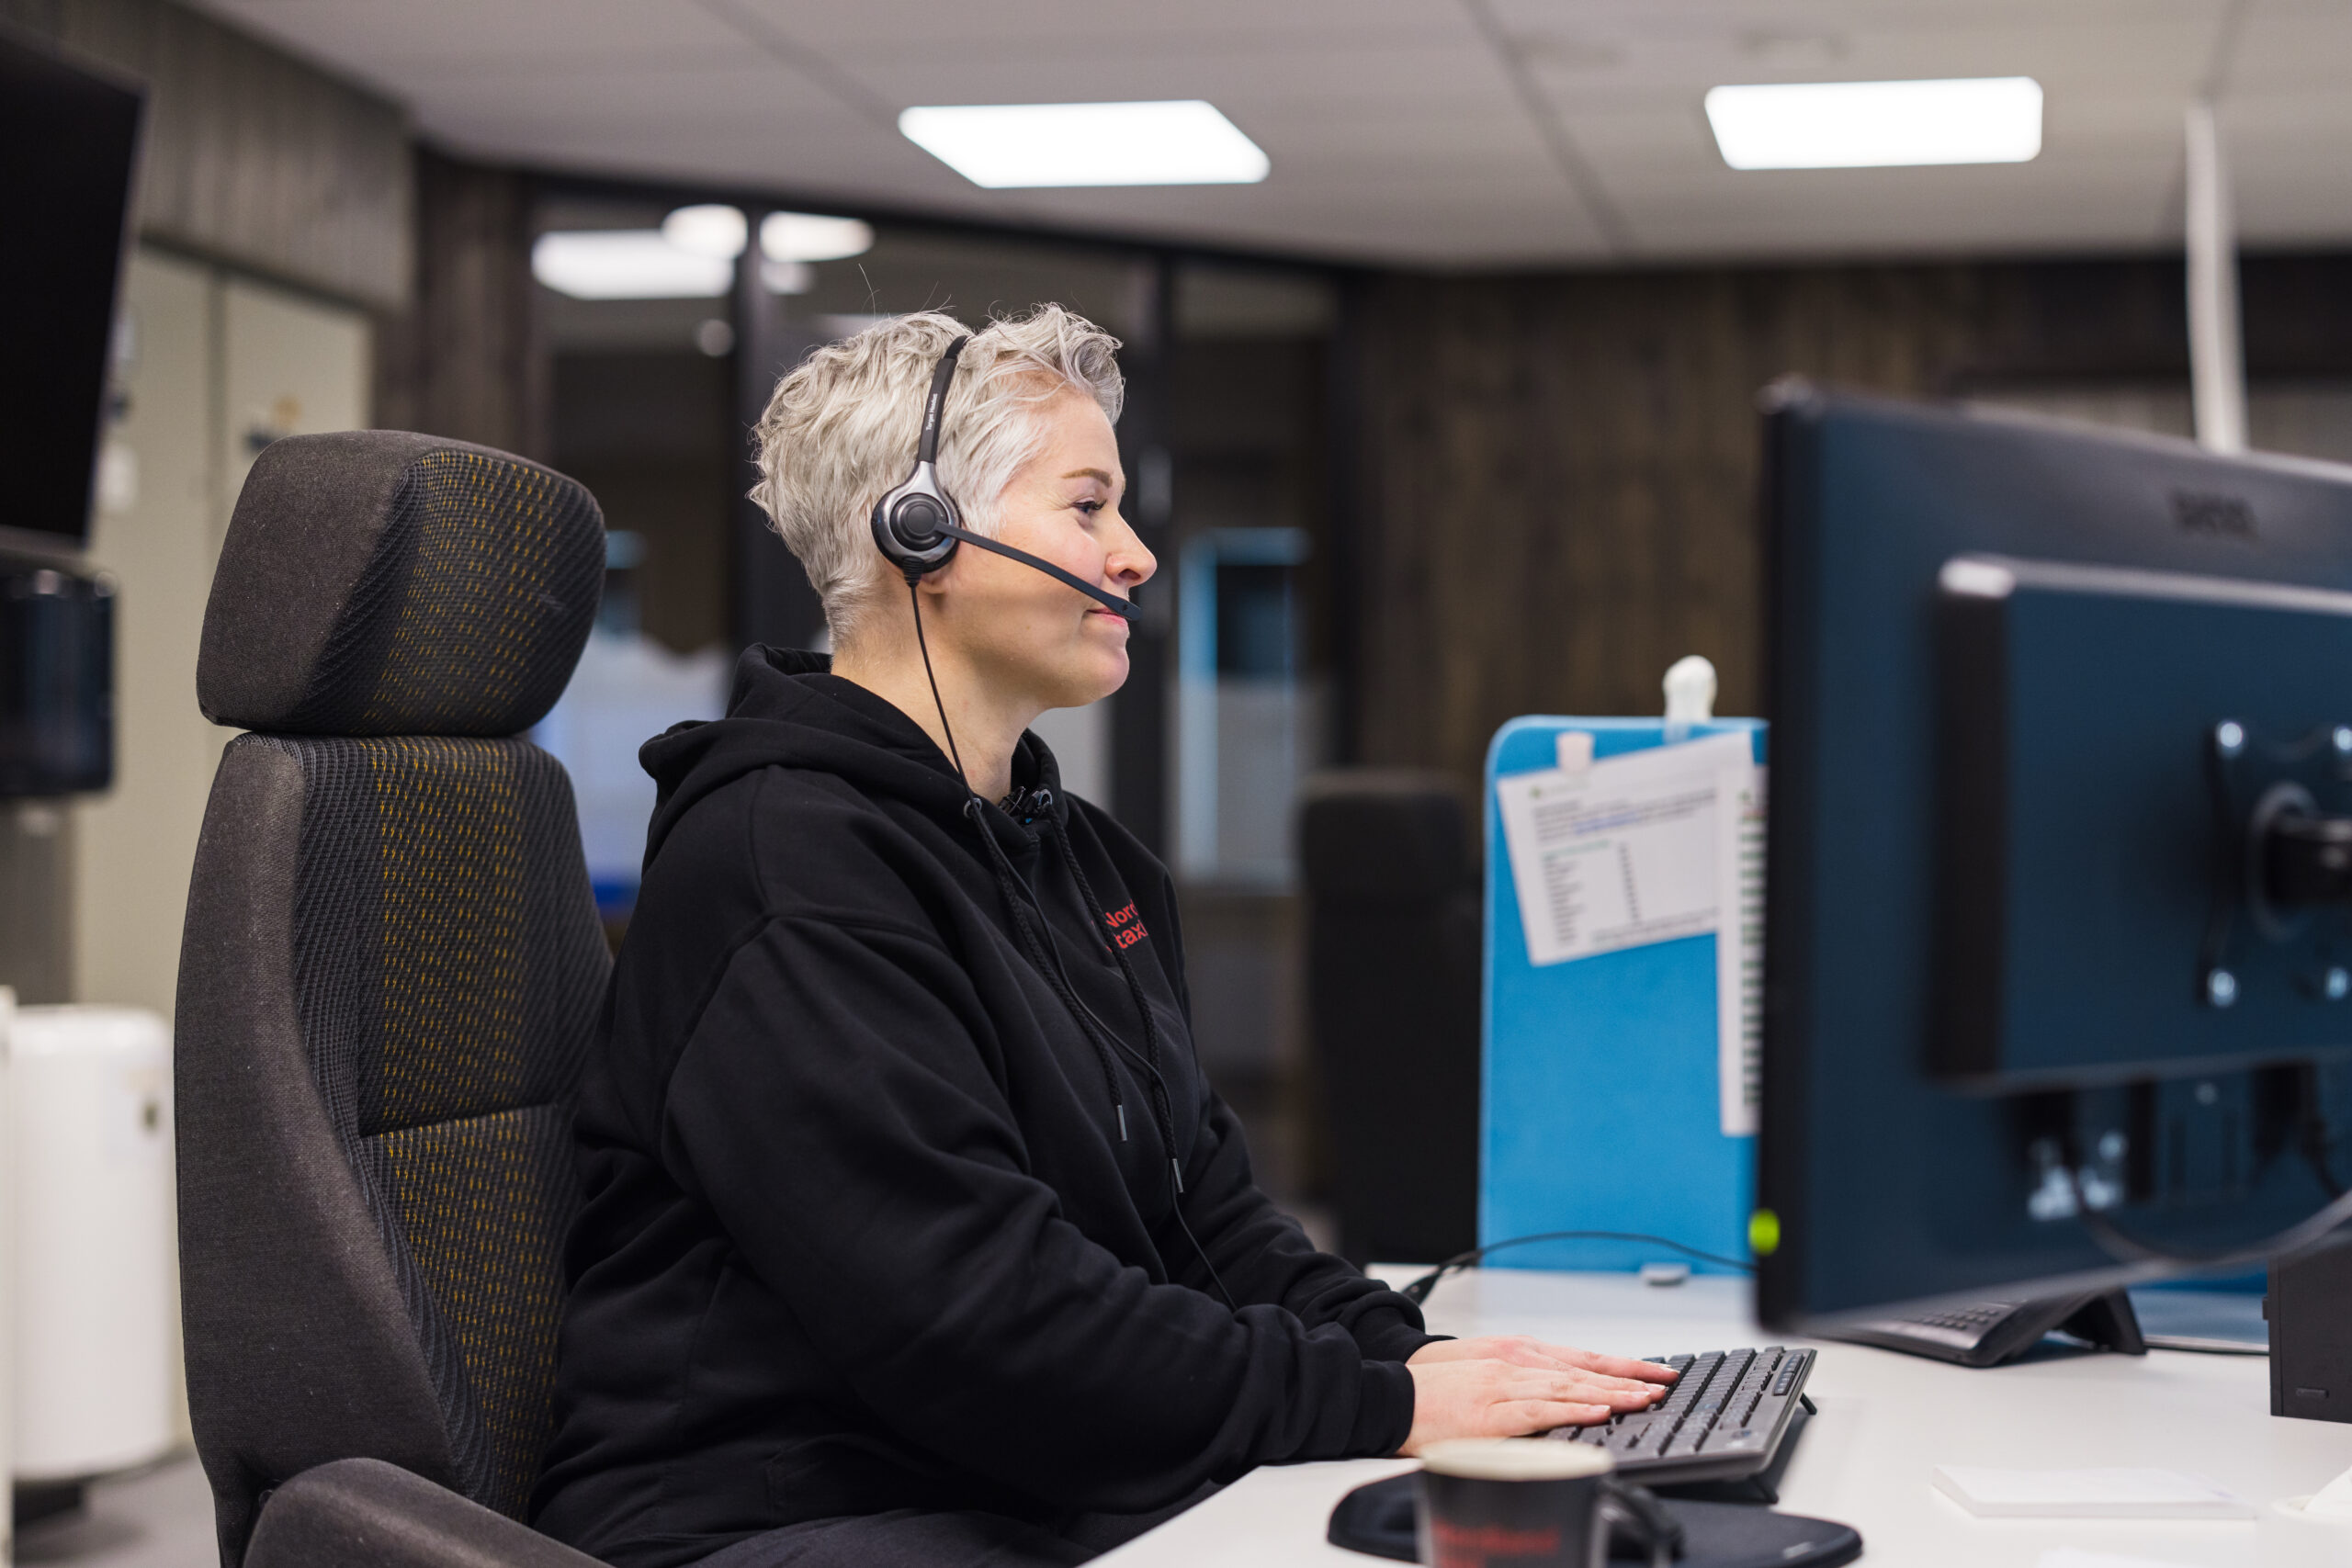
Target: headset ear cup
column 905, row 526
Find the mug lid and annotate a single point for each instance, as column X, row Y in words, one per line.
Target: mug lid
column 1516, row 1459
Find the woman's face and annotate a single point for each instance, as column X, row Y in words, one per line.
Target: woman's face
column 1022, row 630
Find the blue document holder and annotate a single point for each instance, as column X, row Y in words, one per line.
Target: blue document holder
column 1602, row 1108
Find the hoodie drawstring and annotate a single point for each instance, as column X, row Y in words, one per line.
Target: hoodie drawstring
column 1048, row 963
column 1118, row 953
column 1151, row 1045
column 1094, row 1028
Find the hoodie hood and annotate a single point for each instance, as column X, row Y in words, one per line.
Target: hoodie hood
column 787, row 709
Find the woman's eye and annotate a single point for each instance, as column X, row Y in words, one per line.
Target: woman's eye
column 1089, row 507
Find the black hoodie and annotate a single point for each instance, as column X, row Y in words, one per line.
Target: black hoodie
column 861, row 1231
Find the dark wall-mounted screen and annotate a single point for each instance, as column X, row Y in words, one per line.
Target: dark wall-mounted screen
column 67, row 141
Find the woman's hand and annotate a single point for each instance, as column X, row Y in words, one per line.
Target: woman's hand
column 1510, row 1387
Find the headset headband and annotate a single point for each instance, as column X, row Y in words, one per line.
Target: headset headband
column 927, row 445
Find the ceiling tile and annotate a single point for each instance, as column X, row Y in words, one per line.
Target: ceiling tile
column 391, row 43
column 1396, row 130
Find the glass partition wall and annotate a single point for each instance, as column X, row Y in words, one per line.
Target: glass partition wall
column 1253, row 554
column 666, row 321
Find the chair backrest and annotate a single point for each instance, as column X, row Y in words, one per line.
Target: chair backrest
column 1392, row 996
column 391, row 967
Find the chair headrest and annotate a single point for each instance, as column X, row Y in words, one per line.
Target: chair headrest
column 377, row 582
column 1383, row 836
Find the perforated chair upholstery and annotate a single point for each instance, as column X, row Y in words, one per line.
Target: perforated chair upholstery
column 391, row 967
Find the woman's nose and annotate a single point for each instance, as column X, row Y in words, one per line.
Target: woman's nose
column 1130, row 561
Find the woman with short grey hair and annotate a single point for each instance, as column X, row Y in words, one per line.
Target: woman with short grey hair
column 839, row 429
column 913, row 1232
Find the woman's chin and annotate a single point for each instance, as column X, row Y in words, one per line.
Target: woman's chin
column 1090, row 676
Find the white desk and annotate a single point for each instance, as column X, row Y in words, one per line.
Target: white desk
column 1885, row 1420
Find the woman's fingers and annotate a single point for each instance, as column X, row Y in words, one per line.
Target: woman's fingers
column 1614, row 1366
column 1528, row 1352
column 1526, row 1416
column 1642, row 1393
column 1605, row 1369
column 1494, row 1397
column 1584, row 1391
column 1580, row 1388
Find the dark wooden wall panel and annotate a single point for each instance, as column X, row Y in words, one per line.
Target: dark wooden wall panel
column 252, row 157
column 1555, row 477
column 462, row 357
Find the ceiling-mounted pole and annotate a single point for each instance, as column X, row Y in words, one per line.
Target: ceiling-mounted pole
column 2216, row 360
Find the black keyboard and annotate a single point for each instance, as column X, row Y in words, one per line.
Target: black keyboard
column 1724, row 1421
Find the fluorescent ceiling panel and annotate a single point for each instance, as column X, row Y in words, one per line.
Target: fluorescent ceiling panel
column 1856, row 125
column 712, row 229
column 806, row 237
column 1003, row 146
column 627, row 263
column 719, row 229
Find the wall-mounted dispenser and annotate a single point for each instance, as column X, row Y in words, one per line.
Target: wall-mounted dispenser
column 56, row 681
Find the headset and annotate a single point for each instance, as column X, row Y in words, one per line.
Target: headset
column 917, row 524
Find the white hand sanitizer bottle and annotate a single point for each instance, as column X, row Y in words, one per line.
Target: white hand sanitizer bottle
column 1690, row 696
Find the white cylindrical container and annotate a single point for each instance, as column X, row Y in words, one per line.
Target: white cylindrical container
column 1690, row 690
column 92, row 1161
column 8, row 1278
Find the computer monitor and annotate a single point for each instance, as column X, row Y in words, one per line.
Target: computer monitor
column 2057, row 956
column 68, row 140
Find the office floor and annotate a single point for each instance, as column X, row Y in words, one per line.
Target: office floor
column 158, row 1517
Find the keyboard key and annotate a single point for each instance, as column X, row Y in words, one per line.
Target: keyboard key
column 1718, row 1419
column 1694, row 1381
column 1657, row 1440
column 1685, row 1442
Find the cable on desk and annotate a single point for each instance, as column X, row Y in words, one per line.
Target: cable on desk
column 2124, row 1247
column 2315, row 1144
column 1418, row 1290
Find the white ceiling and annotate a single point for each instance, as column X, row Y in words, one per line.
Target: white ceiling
column 1448, row 132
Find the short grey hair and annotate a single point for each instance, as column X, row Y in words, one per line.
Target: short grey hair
column 840, row 432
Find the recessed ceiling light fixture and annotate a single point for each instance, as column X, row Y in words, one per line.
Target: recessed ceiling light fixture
column 718, row 230
column 806, row 237
column 713, row 228
column 1857, row 125
column 1003, row 146
column 627, row 263
column 692, row 255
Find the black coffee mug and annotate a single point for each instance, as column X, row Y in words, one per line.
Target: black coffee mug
column 1531, row 1503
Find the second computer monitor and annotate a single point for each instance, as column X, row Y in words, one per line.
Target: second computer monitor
column 2059, row 974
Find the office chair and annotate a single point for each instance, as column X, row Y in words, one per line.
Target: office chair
column 392, row 968
column 1393, row 943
